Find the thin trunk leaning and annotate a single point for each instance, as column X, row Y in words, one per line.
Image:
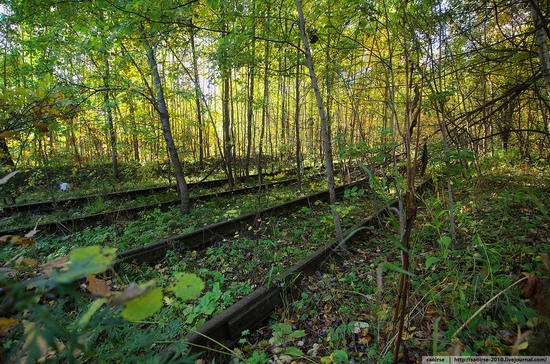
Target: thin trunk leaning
column 164, row 116
column 324, row 129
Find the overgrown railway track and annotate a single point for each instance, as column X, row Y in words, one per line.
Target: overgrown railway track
column 205, row 236
column 224, row 330
column 70, row 225
column 250, row 311
column 44, row 207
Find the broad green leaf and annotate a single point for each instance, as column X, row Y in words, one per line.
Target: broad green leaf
column 293, row 351
column 186, row 286
column 339, row 356
column 298, row 334
column 430, row 261
column 445, row 241
column 85, row 318
column 87, row 261
column 143, row 306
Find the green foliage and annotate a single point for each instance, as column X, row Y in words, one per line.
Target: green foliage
column 68, row 336
column 86, row 261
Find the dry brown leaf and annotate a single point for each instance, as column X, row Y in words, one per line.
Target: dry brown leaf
column 56, row 263
column 365, row 339
column 25, row 242
column 9, row 239
column 6, row 324
column 533, row 288
column 28, row 261
column 98, row 287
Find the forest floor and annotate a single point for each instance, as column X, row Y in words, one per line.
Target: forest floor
column 464, row 298
column 479, row 292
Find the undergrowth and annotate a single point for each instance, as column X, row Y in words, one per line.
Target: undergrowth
column 465, row 297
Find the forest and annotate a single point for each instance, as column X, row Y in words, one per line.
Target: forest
column 340, row 181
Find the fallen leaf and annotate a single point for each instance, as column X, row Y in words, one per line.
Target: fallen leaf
column 6, row 324
column 496, row 351
column 98, row 287
column 56, row 263
column 25, row 242
column 28, row 261
column 365, row 340
column 9, row 239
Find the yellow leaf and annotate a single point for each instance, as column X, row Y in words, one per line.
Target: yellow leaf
column 97, row 287
column 524, row 345
column 6, row 324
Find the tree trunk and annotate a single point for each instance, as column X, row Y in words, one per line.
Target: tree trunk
column 164, row 116
column 250, row 114
column 198, row 101
column 265, row 111
column 110, row 122
column 324, row 128
column 297, row 124
column 542, row 46
column 135, row 141
column 5, row 156
column 227, row 140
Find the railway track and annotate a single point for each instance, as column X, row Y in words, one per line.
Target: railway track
column 70, row 225
column 224, row 330
column 45, row 207
column 205, row 236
